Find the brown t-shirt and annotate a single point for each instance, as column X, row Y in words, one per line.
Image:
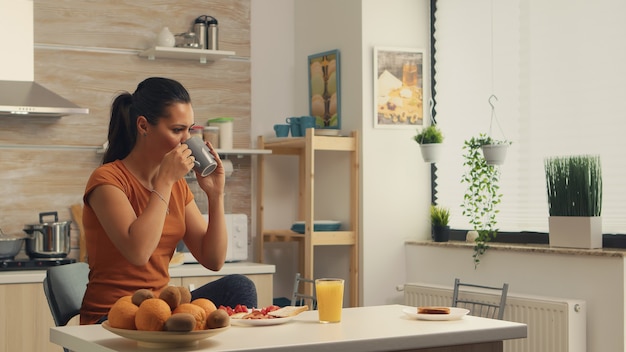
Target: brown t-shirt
column 111, row 276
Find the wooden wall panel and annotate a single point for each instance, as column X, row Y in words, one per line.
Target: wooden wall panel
column 45, row 162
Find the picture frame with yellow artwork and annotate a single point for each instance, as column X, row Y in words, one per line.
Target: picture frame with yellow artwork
column 399, row 78
column 325, row 89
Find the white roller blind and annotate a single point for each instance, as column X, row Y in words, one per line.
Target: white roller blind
column 558, row 69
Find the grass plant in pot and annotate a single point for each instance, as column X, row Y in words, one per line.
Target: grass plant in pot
column 574, row 187
column 430, row 139
column 439, row 217
column 481, row 196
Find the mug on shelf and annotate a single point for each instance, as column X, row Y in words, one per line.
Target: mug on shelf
column 294, row 124
column 281, row 130
column 305, row 123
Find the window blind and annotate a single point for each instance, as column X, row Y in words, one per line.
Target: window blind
column 557, row 70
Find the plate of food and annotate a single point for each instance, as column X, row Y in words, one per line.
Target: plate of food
column 271, row 315
column 165, row 339
column 435, row 313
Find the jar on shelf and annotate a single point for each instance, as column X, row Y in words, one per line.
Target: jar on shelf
column 212, row 135
column 225, row 125
column 197, row 131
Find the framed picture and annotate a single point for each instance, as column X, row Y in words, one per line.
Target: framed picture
column 398, row 88
column 324, row 89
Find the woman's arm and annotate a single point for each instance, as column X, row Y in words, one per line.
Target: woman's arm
column 135, row 237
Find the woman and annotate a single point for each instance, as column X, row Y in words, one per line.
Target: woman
column 138, row 205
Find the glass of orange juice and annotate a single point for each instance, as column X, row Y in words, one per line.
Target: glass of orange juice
column 329, row 299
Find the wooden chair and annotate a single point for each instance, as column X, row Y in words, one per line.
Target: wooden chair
column 299, row 298
column 477, row 302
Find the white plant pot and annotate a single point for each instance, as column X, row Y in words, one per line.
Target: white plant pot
column 495, row 153
column 431, row 152
column 575, row 231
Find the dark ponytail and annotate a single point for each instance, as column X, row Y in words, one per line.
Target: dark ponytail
column 151, row 99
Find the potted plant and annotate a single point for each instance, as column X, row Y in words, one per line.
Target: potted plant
column 482, row 195
column 574, row 187
column 439, row 217
column 494, row 151
column 430, row 139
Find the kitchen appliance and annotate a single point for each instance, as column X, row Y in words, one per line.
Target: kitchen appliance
column 33, row 264
column 19, row 94
column 205, row 28
column 48, row 239
column 237, row 227
column 10, row 245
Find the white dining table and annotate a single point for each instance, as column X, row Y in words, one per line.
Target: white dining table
column 362, row 329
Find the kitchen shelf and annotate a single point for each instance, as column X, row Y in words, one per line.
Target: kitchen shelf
column 202, row 55
column 224, row 151
column 305, row 148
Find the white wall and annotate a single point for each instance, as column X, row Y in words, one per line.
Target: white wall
column 395, row 182
column 598, row 280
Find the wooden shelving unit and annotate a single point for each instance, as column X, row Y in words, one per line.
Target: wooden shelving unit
column 305, row 149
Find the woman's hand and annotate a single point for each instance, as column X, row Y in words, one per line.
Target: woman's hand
column 176, row 164
column 213, row 184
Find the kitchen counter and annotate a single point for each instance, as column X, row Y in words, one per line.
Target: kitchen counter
column 362, row 329
column 185, row 270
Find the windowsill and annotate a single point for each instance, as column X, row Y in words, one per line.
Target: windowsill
column 531, row 247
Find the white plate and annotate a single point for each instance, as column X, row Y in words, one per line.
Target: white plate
column 259, row 322
column 164, row 339
column 455, row 314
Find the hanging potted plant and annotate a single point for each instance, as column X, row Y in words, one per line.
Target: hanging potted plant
column 430, row 139
column 494, row 151
column 574, row 186
column 482, row 195
column 439, row 217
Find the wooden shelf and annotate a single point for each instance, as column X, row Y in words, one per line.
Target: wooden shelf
column 305, row 148
column 202, row 55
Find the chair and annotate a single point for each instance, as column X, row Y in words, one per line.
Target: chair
column 65, row 286
column 477, row 303
column 300, row 298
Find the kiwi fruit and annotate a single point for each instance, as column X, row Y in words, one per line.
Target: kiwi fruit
column 218, row 319
column 182, row 322
column 141, row 295
column 171, row 296
column 185, row 294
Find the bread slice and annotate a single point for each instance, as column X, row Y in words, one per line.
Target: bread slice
column 288, row 311
column 433, row 310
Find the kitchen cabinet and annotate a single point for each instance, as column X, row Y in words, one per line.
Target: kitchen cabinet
column 305, row 148
column 26, row 319
column 202, row 55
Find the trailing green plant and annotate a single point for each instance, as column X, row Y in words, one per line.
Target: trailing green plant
column 483, row 139
column 574, row 185
column 429, row 135
column 439, row 216
column 482, row 194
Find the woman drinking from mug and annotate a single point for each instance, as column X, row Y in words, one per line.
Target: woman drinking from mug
column 138, row 206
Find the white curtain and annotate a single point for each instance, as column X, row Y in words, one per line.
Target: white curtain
column 558, row 71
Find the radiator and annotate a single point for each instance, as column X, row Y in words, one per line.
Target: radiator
column 554, row 324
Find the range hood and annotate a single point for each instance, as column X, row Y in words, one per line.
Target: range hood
column 33, row 99
column 19, row 93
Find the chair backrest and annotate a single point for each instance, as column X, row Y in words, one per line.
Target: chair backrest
column 65, row 286
column 299, row 298
column 465, row 295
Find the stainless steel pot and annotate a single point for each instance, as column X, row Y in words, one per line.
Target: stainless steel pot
column 10, row 245
column 48, row 239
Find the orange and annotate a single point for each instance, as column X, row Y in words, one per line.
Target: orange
column 198, row 312
column 126, row 298
column 208, row 305
column 122, row 314
column 152, row 315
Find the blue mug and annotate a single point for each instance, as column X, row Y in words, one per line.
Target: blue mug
column 306, row 122
column 294, row 125
column 281, row 130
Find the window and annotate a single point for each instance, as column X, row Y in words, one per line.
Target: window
column 557, row 70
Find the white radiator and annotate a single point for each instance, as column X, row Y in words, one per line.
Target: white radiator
column 554, row 324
